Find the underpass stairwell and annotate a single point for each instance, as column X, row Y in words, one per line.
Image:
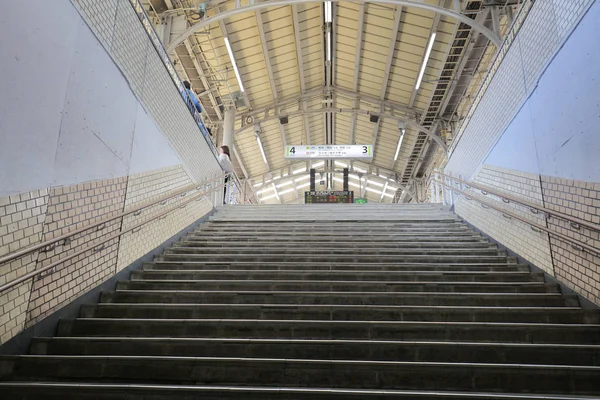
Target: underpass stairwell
column 322, row 302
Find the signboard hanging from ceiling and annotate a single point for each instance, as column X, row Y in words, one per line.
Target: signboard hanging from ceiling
column 329, row 152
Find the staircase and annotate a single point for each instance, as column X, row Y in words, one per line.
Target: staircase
column 315, row 302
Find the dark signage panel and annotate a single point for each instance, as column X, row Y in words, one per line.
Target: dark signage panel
column 329, row 196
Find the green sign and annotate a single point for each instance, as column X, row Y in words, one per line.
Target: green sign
column 360, row 200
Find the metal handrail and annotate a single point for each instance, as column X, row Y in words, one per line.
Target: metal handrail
column 573, row 221
column 31, row 249
column 535, row 227
column 102, row 244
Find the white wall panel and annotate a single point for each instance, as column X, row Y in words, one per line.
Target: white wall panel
column 555, row 133
column 99, row 116
column 150, row 148
column 35, row 60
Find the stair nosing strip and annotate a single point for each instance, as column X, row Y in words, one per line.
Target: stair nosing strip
column 351, row 306
column 554, row 294
column 320, row 341
column 309, row 361
column 378, row 392
column 371, row 322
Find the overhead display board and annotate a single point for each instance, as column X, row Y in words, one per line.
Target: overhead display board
column 329, row 152
column 328, row 196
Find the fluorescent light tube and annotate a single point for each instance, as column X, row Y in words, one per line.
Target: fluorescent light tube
column 284, row 184
column 329, row 46
column 399, row 144
column 302, row 178
column 276, row 194
column 235, row 68
column 267, row 197
column 298, row 171
column 262, row 150
column 328, row 12
column 427, row 54
column 373, row 190
column 286, row 191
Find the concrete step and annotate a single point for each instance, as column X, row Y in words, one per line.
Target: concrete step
column 362, row 298
column 356, row 258
column 346, row 286
column 551, row 315
column 337, row 236
column 337, row 330
column 116, row 391
column 392, row 375
column 283, row 266
column 290, row 251
column 363, row 276
column 337, row 245
column 331, row 218
column 373, row 350
column 356, row 239
column 381, row 225
column 357, row 230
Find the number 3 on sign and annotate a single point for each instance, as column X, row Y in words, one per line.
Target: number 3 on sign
column 365, row 149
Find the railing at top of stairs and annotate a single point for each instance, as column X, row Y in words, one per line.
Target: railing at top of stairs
column 196, row 192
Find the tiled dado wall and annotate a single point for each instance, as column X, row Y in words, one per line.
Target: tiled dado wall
column 577, row 269
column 30, row 218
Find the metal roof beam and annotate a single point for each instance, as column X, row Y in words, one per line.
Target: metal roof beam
column 382, row 114
column 391, row 50
column 439, row 10
column 317, row 93
column 359, row 39
column 298, row 47
column 388, row 67
column 383, row 191
column 300, row 62
column 265, row 50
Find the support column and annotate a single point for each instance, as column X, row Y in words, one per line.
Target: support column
column 229, row 127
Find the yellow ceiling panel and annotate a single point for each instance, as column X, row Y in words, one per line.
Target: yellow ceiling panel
column 384, row 12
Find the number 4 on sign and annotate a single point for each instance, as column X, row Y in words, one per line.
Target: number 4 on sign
column 293, row 150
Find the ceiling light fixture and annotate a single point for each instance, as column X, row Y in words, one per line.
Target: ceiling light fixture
column 262, row 150
column 328, row 45
column 373, row 190
column 403, row 131
column 235, row 68
column 427, row 54
column 328, row 12
column 299, row 171
column 276, row 194
column 267, row 197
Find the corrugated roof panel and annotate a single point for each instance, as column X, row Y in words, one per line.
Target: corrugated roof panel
column 316, row 127
column 364, row 129
column 342, row 127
